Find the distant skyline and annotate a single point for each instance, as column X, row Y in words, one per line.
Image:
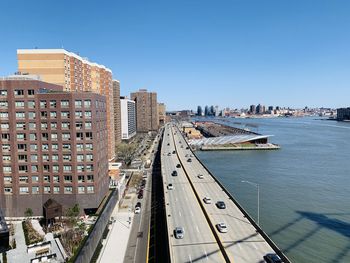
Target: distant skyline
column 231, row 53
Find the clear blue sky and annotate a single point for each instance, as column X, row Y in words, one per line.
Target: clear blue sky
column 225, row 52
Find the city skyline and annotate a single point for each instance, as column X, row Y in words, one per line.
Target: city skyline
column 289, row 54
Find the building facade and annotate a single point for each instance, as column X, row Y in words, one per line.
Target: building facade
column 146, row 110
column 117, row 113
column 343, row 114
column 73, row 73
column 52, row 146
column 128, row 118
column 161, row 113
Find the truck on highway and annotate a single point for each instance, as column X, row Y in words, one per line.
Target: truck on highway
column 148, row 163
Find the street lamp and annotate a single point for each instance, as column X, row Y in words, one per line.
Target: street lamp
column 257, row 186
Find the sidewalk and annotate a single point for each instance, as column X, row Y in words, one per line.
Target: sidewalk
column 19, row 253
column 116, row 243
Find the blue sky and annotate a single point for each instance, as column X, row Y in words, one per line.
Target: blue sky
column 229, row 53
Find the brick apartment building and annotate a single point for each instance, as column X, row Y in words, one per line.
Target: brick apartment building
column 146, row 110
column 52, row 146
column 73, row 73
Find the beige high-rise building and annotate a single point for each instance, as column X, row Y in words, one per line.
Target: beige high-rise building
column 146, row 110
column 117, row 112
column 161, row 113
column 74, row 73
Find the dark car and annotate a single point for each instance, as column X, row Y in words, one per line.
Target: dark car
column 187, row 148
column 140, row 196
column 168, row 144
column 272, row 258
column 174, row 152
column 174, row 173
column 221, row 204
column 138, row 204
column 178, row 165
column 189, row 160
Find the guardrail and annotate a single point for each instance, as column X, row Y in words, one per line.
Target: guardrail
column 251, row 220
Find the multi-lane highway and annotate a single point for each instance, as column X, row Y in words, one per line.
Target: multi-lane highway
column 182, row 209
column 185, row 207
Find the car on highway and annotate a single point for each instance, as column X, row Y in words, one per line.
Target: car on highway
column 169, row 154
column 221, row 204
column 140, row 196
column 187, row 148
column 168, row 144
column 181, row 146
column 272, row 258
column 137, row 210
column 189, row 160
column 170, row 187
column 174, row 173
column 138, row 204
column 222, row 227
column 186, row 155
column 179, row 232
column 207, row 200
column 178, row 165
column 200, row 176
column 174, row 152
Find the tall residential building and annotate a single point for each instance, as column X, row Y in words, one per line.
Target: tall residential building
column 52, row 146
column 117, row 117
column 199, row 111
column 206, row 110
column 343, row 114
column 161, row 113
column 252, row 109
column 128, row 118
column 146, row 110
column 74, row 73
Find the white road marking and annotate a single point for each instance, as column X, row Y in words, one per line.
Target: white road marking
column 191, row 213
column 176, row 199
column 206, row 255
column 189, row 256
column 179, row 213
column 197, row 229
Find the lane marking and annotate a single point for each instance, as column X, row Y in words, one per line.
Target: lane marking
column 206, row 255
column 180, row 214
column 197, row 229
column 189, row 256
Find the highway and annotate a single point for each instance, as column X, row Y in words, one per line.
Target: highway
column 242, row 242
column 183, row 210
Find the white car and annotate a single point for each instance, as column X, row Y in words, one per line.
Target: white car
column 222, row 227
column 207, row 200
column 200, row 176
column 170, row 187
column 179, row 232
column 137, row 210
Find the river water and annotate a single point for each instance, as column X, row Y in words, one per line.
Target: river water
column 304, row 186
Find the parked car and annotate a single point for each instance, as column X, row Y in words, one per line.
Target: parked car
column 179, row 232
column 272, row 258
column 221, row 204
column 207, row 200
column 222, row 227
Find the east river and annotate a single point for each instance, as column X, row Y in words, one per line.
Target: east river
column 304, row 186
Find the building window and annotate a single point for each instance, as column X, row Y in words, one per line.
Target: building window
column 78, row 114
column 56, row 179
column 47, row 178
column 43, row 114
column 47, row 189
column 46, row 168
column 31, row 104
column 53, row 114
column 53, row 104
column 34, row 168
column 32, row 137
column 6, row 147
column 5, row 126
column 87, row 104
column 44, row 126
column 31, row 115
column 65, row 114
column 55, row 168
column 81, row 179
column 88, row 125
column 43, row 104
column 90, row 167
column 19, row 104
column 65, row 125
column 45, row 136
column 88, row 135
column 3, row 93
column 22, row 158
column 33, row 157
column 35, row 179
column 68, row 189
column 6, row 158
column 46, row 157
column 32, row 126
column 4, row 104
column 20, row 115
column 66, row 146
column 23, row 169
column 67, row 157
column 20, row 126
column 64, row 103
column 90, row 178
column 5, row 137
column 54, row 147
column 21, row 136
column 45, row 147
column 80, row 147
column 56, row 189
column 67, row 168
column 80, row 157
column 65, row 136
column 78, row 125
column 4, row 115
column 87, row 114
column 53, row 125
column 19, row 92
column 31, row 92
column 7, row 169
column 33, row 147
column 89, row 157
column 7, row 179
column 88, row 147
column 23, row 179
column 80, row 136
column 24, row 190
column 81, row 189
column 68, row 179
column 80, row 168
column 54, row 157
column 54, row 136
column 90, row 189
column 35, row 190
column 78, row 103
column 8, row 190
column 22, row 147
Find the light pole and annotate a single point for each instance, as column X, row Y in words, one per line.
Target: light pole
column 257, row 186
